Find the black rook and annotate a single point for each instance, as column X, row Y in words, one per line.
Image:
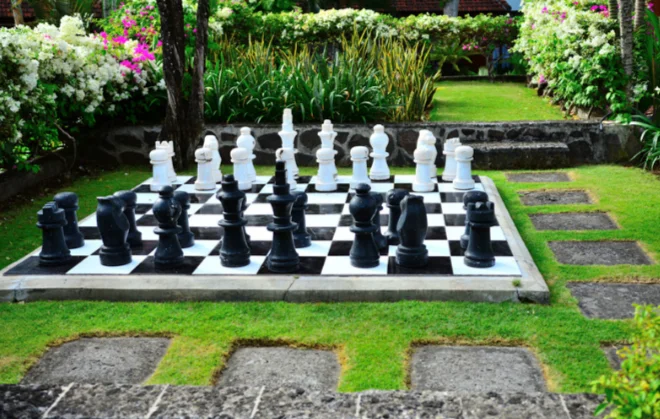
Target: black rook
column 51, row 219
column 470, row 197
column 479, row 254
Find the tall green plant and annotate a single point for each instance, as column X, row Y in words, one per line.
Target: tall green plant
column 53, row 10
column 651, row 56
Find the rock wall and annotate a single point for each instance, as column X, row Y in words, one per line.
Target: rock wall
column 498, row 145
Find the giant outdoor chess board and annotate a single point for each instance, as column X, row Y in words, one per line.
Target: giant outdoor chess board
column 325, row 270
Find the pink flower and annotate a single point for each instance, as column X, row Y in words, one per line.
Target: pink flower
column 121, row 40
column 650, row 6
column 541, row 79
column 195, row 30
column 159, row 44
column 544, row 10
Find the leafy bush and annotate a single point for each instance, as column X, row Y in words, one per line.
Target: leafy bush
column 634, row 391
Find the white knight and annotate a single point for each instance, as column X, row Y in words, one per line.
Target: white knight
column 246, row 141
column 205, row 179
column 211, row 142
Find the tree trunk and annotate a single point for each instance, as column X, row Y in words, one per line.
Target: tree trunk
column 626, row 25
column 196, row 100
column 640, row 12
column 613, row 9
column 17, row 11
column 451, row 8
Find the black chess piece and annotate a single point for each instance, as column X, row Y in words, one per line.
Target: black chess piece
column 394, row 198
column 234, row 248
column 167, row 211
column 113, row 226
column 412, row 226
column 54, row 251
column 479, row 254
column 470, row 197
column 244, row 205
column 68, row 201
column 381, row 241
column 186, row 237
column 283, row 257
column 363, row 206
column 134, row 238
column 301, row 237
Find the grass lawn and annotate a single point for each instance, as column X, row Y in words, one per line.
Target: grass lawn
column 373, row 340
column 484, row 101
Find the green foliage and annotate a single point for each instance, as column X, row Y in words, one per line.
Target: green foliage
column 648, row 39
column 634, row 391
column 52, row 11
column 650, row 138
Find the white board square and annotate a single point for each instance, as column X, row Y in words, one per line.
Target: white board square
column 326, row 198
column 322, row 220
column 404, row 178
column 341, row 265
column 180, row 180
column 190, row 188
column 380, row 187
column 88, row 248
column 212, row 266
column 435, row 220
column 452, row 208
column 92, row 266
column 200, row 248
column 343, row 234
column 148, row 233
column 258, row 233
column 437, row 247
column 146, row 198
column 454, row 233
column 259, row 209
column 204, row 220
column 268, row 189
column 504, row 265
column 429, row 197
column 262, row 179
column 91, row 221
column 318, row 248
column 341, row 179
column 449, row 187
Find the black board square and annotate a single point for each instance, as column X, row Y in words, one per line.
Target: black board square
column 90, row 233
column 438, row 265
column 199, row 198
column 320, row 209
column 455, row 220
column 147, row 220
column 144, row 188
column 500, row 248
column 148, row 266
column 308, row 266
column 341, row 248
column 191, row 181
column 142, row 208
column 436, row 233
column 451, row 197
column 207, row 233
column 258, row 220
column 321, row 233
column 30, row 266
column 346, row 220
column 476, row 178
column 262, row 198
column 260, row 248
column 146, row 248
column 408, row 187
column 433, row 208
column 210, row 209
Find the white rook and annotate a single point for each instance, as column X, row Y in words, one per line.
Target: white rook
column 288, row 136
column 246, row 141
column 159, row 158
column 450, row 163
column 286, row 155
column 463, row 180
column 168, row 146
column 423, row 182
column 379, row 141
column 240, row 157
column 205, row 180
column 211, row 142
column 328, row 136
column 359, row 157
column 325, row 179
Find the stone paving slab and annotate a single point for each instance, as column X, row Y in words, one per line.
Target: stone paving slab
column 599, row 253
column 282, row 366
column 573, row 221
column 99, row 360
column 475, row 369
column 536, row 177
column 551, row 197
column 613, row 301
column 122, row 401
column 27, row 401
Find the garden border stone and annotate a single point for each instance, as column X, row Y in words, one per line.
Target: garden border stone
column 612, row 300
column 623, row 252
column 573, row 221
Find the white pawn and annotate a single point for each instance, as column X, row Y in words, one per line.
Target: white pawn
column 286, row 155
column 423, row 182
column 450, row 163
column 211, row 142
column 325, row 179
column 359, row 157
column 463, row 180
column 379, row 141
column 205, row 179
column 168, row 146
column 328, row 136
column 160, row 178
column 246, row 141
column 241, row 159
column 431, row 141
column 288, row 135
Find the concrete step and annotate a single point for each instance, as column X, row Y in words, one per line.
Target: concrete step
column 521, row 155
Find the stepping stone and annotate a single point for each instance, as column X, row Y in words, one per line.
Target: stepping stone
column 599, row 253
column 554, row 198
column 573, row 221
column 99, row 360
column 532, row 177
column 475, row 369
column 282, row 366
column 613, row 301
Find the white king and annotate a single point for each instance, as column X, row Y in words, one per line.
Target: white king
column 328, row 136
column 288, row 136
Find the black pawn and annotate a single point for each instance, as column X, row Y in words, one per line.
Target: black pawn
column 68, row 201
column 412, row 226
column 394, row 198
column 363, row 206
column 479, row 254
column 167, row 211
column 283, row 256
column 134, row 238
column 470, row 197
column 234, row 248
column 51, row 220
column 301, row 237
column 113, row 227
column 186, row 237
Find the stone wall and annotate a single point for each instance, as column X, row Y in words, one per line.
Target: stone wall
column 503, row 145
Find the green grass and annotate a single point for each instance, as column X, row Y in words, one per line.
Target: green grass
column 373, row 340
column 484, row 101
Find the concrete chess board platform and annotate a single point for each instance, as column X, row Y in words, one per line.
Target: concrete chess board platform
column 325, row 274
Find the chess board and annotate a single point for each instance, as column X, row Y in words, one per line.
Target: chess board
column 328, row 221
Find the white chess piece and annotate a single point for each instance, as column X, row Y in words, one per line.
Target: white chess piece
column 379, row 141
column 431, row 142
column 246, row 141
column 423, row 182
column 159, row 158
column 288, row 135
column 169, row 147
column 287, row 156
column 325, row 179
column 205, row 179
column 211, row 142
column 328, row 136
column 463, row 180
column 241, row 158
column 359, row 157
column 450, row 146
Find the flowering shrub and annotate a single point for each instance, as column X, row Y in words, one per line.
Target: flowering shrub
column 60, row 76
